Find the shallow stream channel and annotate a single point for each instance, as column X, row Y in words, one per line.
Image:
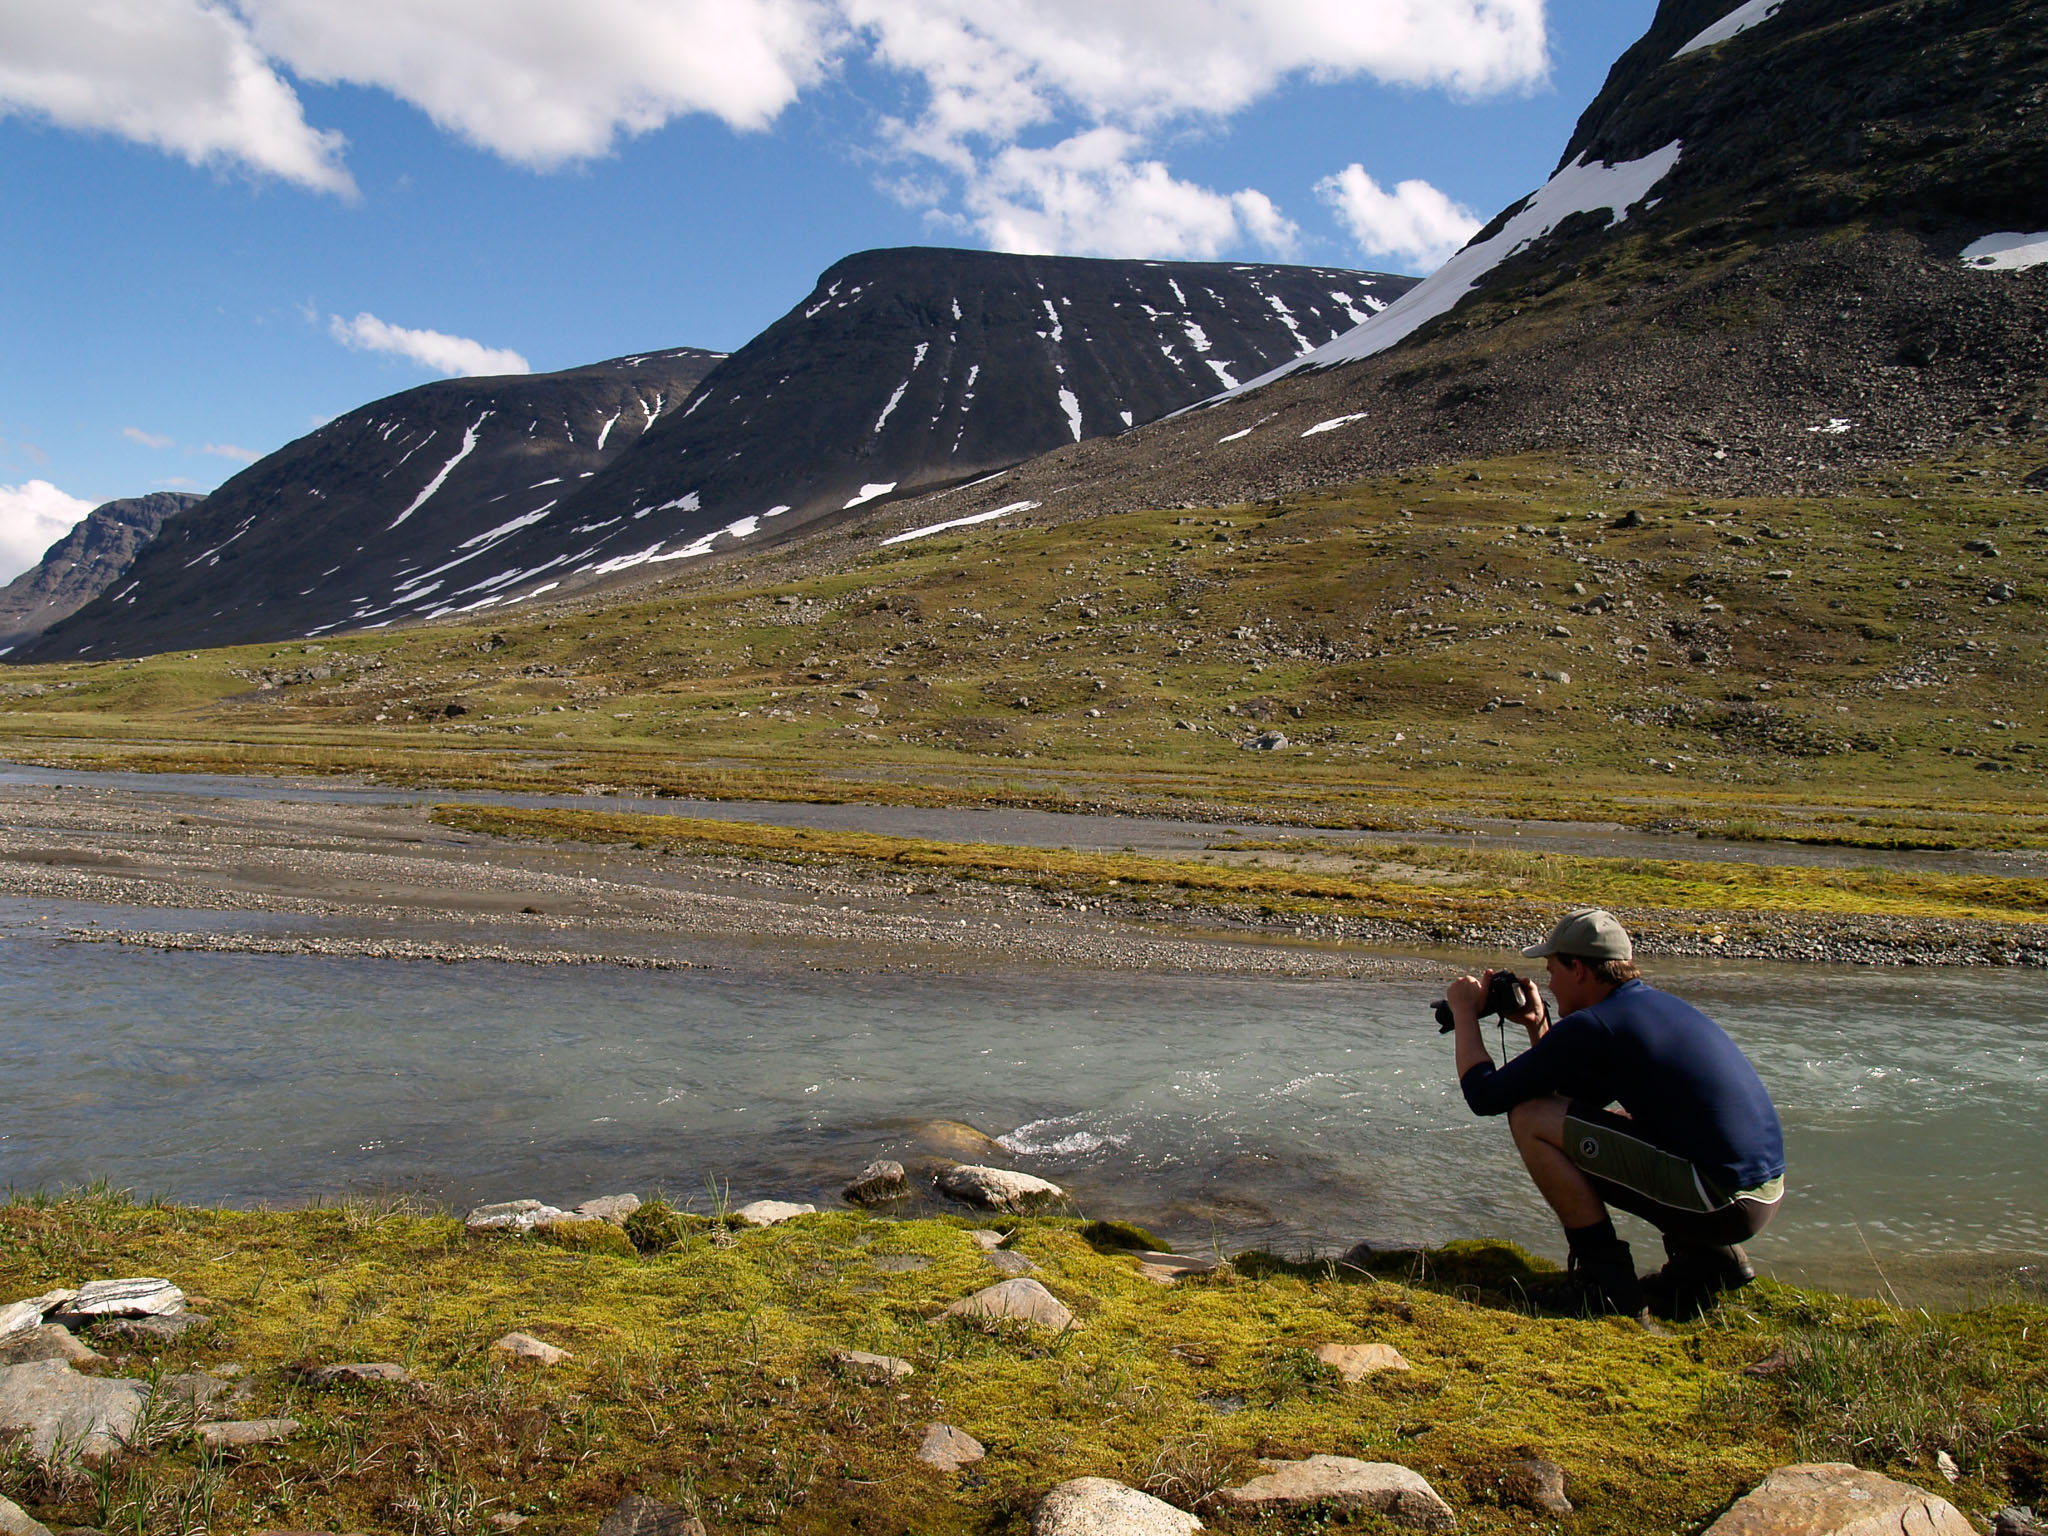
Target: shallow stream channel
column 1224, row 1113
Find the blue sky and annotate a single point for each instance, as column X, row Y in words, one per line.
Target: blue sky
column 187, row 214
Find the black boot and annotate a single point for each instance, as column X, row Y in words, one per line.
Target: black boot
column 1600, row 1282
column 1694, row 1277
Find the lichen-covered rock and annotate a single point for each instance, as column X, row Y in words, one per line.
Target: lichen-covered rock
column 356, row 1373
column 1004, row 1262
column 1098, row 1506
column 20, row 1316
column 1341, row 1482
column 1836, row 1499
column 949, row 1449
column 1167, row 1268
column 141, row 1296
column 769, row 1213
column 612, row 1208
column 1022, row 1301
column 153, row 1330
column 638, row 1515
column 237, row 1433
column 68, row 1417
column 1535, row 1484
column 14, row 1521
column 997, row 1189
column 877, row 1184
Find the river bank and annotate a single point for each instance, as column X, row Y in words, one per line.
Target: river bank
column 708, row 1366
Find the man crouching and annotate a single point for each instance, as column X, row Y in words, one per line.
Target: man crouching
column 1696, row 1151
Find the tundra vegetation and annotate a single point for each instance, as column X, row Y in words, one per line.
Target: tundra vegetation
column 701, row 1373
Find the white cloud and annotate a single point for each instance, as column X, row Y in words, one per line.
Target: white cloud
column 181, row 75
column 543, row 83
column 148, row 439
column 449, row 356
column 32, row 518
column 230, row 451
column 1415, row 222
column 1092, row 196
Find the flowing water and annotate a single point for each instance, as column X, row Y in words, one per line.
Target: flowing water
column 1298, row 1115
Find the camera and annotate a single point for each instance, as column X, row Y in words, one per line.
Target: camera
column 1504, row 995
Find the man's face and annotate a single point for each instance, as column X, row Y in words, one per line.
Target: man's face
column 1569, row 984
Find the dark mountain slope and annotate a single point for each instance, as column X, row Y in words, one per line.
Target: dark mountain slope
column 1780, row 300
column 406, row 495
column 88, row 560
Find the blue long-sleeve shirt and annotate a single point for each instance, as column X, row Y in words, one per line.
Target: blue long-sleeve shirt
column 1681, row 1079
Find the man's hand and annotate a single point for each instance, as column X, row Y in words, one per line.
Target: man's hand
column 1534, row 1014
column 1465, row 996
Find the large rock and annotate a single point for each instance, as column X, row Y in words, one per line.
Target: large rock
column 14, row 1521
column 20, row 1316
column 769, row 1213
column 512, row 1216
column 1023, row 1301
column 612, row 1208
column 1355, row 1362
column 141, row 1296
column 956, row 1138
column 877, row 1184
column 1836, row 1499
column 52, row 1341
column 638, row 1515
column 1340, row 1482
column 949, row 1449
column 69, row 1417
column 997, row 1189
column 1096, row 1506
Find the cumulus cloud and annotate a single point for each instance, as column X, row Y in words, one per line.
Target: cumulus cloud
column 32, row 518
column 1093, row 196
column 543, row 83
column 148, row 439
column 180, row 75
column 230, row 451
column 1414, row 223
column 450, row 356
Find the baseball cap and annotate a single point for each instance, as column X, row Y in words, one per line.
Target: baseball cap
column 1590, row 933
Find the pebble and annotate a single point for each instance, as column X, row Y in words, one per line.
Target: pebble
column 1355, row 1362
column 877, row 1184
column 1098, row 1506
column 1165, row 1268
column 358, row 1371
column 1341, row 1482
column 612, row 1208
column 769, row 1213
column 1014, row 1265
column 949, row 1449
column 875, row 1370
column 512, row 1216
column 988, row 1241
column 524, row 1346
column 237, row 1433
column 1537, row 1485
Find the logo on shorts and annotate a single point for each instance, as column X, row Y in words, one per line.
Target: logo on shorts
column 1589, row 1148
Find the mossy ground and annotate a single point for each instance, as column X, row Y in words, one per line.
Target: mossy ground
column 1845, row 669
column 702, row 1374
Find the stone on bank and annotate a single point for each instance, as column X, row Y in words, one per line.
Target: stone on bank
column 1836, row 1499
column 1098, row 1506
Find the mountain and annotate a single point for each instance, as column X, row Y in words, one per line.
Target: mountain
column 92, row 557
column 330, row 529
column 1787, row 246
column 903, row 370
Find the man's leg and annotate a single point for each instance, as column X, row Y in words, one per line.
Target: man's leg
column 1603, row 1271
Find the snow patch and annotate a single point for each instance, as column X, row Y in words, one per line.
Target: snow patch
column 963, row 522
column 606, row 430
column 868, row 493
column 694, row 502
column 1071, row 404
column 1335, row 422
column 1198, row 337
column 890, row 409
column 1737, row 21
column 1129, row 419
column 2008, row 252
column 469, row 441
column 1236, row 437
column 1222, row 371
column 1581, row 187
column 505, row 529
column 1837, row 426
column 1059, row 331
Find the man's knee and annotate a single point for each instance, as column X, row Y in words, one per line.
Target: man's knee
column 1537, row 1120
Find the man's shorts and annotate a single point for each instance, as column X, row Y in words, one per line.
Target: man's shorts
column 1666, row 1190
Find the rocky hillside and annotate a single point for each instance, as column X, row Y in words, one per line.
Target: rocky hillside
column 384, row 512
column 88, row 560
column 1748, row 274
column 903, row 370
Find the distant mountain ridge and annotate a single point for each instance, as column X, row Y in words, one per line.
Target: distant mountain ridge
column 903, row 369
column 92, row 557
column 380, row 512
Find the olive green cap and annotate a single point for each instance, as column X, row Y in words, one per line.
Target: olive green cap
column 1591, row 933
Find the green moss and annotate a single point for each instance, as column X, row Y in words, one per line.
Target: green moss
column 1121, row 1237
column 702, row 1373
